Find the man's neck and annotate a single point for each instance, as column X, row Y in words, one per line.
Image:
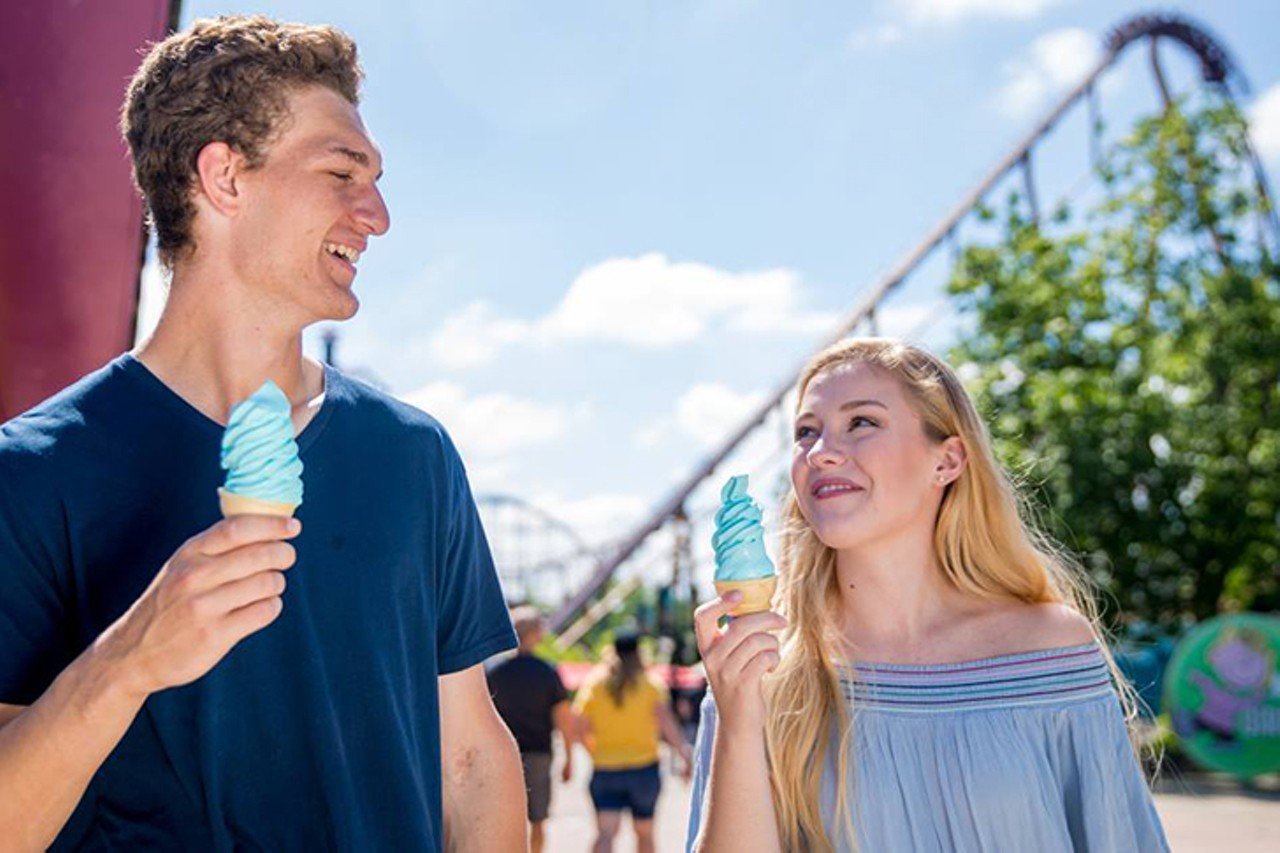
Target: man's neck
column 214, row 346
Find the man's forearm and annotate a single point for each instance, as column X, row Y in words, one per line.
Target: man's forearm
column 50, row 752
column 485, row 797
column 566, row 724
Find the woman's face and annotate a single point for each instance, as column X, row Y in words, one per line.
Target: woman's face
column 863, row 469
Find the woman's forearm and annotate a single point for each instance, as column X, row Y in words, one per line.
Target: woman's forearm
column 669, row 728
column 740, row 814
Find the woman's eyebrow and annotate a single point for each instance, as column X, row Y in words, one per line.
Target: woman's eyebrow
column 854, row 404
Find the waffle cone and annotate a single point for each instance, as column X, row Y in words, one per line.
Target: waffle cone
column 757, row 594
column 233, row 504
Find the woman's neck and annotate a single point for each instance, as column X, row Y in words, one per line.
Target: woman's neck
column 895, row 599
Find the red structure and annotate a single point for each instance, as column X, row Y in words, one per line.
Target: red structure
column 573, row 673
column 71, row 237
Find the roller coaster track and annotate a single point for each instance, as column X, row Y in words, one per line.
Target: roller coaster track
column 1216, row 69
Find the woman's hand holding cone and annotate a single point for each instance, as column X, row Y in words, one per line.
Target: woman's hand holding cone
column 736, row 660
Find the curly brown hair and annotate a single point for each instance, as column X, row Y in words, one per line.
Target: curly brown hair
column 226, row 80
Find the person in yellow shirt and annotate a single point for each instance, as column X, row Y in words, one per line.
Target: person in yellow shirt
column 621, row 712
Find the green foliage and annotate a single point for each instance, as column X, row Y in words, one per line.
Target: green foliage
column 636, row 612
column 548, row 650
column 1128, row 362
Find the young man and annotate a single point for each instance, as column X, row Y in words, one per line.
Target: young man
column 533, row 703
column 164, row 687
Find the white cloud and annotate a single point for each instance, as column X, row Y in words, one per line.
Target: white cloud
column 710, row 411
column 488, row 426
column 648, row 301
column 651, row 301
column 912, row 320
column 598, row 517
column 952, row 11
column 488, row 475
column 653, row 434
column 873, row 37
column 474, row 336
column 914, row 14
column 1264, row 125
column 1052, row 63
column 707, row 412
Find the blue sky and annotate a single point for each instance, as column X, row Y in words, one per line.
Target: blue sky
column 615, row 225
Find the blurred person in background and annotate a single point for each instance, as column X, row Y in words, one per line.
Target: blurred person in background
column 531, row 699
column 622, row 711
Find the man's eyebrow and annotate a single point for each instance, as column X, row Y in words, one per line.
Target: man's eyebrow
column 350, row 153
column 353, row 155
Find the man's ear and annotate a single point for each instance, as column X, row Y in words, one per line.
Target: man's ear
column 218, row 167
column 951, row 463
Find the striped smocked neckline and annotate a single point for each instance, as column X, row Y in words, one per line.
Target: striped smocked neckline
column 1050, row 676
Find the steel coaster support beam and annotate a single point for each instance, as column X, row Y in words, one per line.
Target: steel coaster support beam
column 596, row 612
column 1029, row 182
column 1216, row 68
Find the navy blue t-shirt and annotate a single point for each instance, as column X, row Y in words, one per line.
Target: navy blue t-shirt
column 322, row 730
column 526, row 690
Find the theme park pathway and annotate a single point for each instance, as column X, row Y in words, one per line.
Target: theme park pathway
column 1199, row 814
column 1211, row 813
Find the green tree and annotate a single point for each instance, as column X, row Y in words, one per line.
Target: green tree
column 1128, row 362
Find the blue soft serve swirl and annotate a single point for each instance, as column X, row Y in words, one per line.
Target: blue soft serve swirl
column 739, row 538
column 259, row 452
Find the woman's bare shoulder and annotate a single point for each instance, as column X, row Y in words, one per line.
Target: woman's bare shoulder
column 1032, row 627
column 1018, row 626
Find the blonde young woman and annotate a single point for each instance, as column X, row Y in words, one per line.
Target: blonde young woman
column 940, row 682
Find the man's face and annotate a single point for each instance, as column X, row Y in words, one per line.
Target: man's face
column 309, row 210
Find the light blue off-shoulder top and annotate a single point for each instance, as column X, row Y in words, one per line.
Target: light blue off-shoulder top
column 1025, row 752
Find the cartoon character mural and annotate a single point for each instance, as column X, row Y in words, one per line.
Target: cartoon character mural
column 1222, row 691
column 1241, row 664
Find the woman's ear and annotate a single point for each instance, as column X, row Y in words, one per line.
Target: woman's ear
column 951, row 461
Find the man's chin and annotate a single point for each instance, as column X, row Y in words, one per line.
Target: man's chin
column 350, row 310
column 342, row 307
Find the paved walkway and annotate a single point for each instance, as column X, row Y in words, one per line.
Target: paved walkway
column 1210, row 813
column 1199, row 814
column 571, row 828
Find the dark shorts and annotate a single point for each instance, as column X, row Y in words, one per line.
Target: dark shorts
column 635, row 790
column 537, row 783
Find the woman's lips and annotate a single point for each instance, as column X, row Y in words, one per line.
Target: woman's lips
column 829, row 488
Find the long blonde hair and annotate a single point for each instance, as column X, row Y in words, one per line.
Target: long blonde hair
column 983, row 542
